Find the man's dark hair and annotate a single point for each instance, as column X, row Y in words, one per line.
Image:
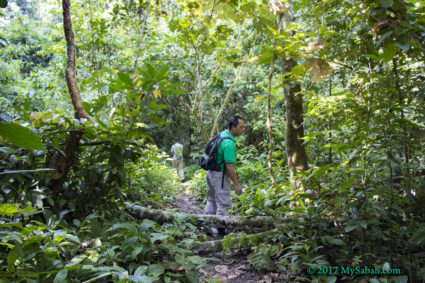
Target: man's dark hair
column 234, row 121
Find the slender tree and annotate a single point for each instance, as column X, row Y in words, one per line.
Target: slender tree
column 269, row 122
column 62, row 161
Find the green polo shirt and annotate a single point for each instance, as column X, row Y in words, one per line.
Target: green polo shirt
column 227, row 150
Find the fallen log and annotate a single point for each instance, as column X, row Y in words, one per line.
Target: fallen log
column 234, row 241
column 162, row 216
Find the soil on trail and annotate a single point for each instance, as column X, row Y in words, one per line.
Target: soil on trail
column 230, row 268
column 186, row 202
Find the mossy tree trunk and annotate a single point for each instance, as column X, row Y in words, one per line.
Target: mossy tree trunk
column 295, row 149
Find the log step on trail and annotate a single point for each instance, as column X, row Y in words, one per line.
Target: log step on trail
column 240, row 222
column 238, row 241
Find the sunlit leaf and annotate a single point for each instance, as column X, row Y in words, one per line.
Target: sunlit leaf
column 125, row 78
column 8, row 209
column 390, row 51
column 61, row 276
column 158, row 237
column 7, row 244
column 76, row 260
column 157, row 93
column 319, row 172
column 20, row 136
column 177, row 91
column 27, row 210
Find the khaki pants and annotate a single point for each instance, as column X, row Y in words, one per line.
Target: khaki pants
column 178, row 164
column 218, row 198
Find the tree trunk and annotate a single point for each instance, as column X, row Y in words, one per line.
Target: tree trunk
column 62, row 161
column 198, row 97
column 330, row 125
column 161, row 216
column 295, row 150
column 269, row 124
column 141, row 33
column 238, row 241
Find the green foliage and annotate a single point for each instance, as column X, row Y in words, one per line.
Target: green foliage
column 261, row 256
column 198, row 185
column 92, row 248
column 20, row 136
column 363, row 133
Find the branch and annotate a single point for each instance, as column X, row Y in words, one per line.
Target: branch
column 111, row 142
column 226, row 101
column 202, row 88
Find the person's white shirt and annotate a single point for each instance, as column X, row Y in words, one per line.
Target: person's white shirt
column 177, row 150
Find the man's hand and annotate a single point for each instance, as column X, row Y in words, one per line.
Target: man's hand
column 238, row 189
column 232, row 174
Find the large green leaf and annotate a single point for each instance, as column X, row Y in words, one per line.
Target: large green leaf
column 155, row 270
column 390, row 51
column 76, row 260
column 126, row 226
column 20, row 136
column 146, row 224
column 8, row 209
column 158, row 237
column 126, row 79
column 61, row 276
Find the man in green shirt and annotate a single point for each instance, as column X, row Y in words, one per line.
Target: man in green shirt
column 218, row 189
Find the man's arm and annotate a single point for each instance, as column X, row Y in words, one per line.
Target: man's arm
column 230, row 169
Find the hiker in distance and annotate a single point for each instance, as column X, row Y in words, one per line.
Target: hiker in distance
column 218, row 187
column 177, row 153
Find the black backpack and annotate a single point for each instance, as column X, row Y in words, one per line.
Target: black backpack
column 208, row 160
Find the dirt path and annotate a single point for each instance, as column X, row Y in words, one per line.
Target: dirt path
column 186, row 202
column 231, row 268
